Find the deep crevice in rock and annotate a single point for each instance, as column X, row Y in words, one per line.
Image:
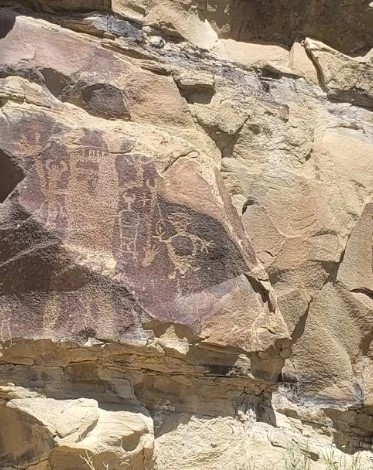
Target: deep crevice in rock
column 10, row 175
column 7, row 21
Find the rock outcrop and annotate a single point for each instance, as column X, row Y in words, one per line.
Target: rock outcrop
column 186, row 235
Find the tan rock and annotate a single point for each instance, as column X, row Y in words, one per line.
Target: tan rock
column 133, row 9
column 67, row 420
column 178, row 18
column 69, row 76
column 69, row 432
column 120, row 439
column 326, row 353
column 301, row 63
column 355, row 271
column 345, row 78
column 181, row 450
column 195, row 81
column 17, row 448
column 253, row 55
column 175, row 16
column 185, row 235
column 344, row 25
column 345, row 161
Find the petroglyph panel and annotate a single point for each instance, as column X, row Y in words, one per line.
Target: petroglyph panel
column 68, row 302
column 165, row 251
column 122, row 244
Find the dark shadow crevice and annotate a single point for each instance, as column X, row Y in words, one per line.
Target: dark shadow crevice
column 7, row 21
column 10, row 175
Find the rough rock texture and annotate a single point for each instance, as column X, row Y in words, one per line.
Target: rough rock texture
column 186, row 235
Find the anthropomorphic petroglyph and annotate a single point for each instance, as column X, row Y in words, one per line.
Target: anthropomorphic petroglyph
column 54, row 174
column 145, row 230
column 129, row 222
column 87, row 174
column 92, row 196
column 182, row 246
column 136, row 207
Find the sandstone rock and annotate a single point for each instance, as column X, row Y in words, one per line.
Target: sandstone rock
column 195, row 82
column 162, row 237
column 355, row 271
column 181, row 19
column 185, row 235
column 67, row 432
column 24, row 440
column 301, row 64
column 120, row 439
column 176, row 242
column 343, row 25
column 333, row 312
column 71, row 76
column 254, row 55
column 344, row 78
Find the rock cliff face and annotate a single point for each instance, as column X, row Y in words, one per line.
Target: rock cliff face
column 186, row 234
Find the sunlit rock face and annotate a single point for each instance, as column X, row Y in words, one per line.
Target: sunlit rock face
column 186, row 226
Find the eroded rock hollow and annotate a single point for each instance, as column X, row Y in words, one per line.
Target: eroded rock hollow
column 186, row 234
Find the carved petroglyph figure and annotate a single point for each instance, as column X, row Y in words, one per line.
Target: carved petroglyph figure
column 137, row 203
column 183, row 246
column 30, row 143
column 53, row 177
column 151, row 200
column 87, row 174
column 150, row 252
column 145, row 230
column 128, row 217
column 129, row 222
column 91, row 199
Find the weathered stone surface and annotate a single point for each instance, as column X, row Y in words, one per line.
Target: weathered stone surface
column 268, row 56
column 70, row 432
column 345, row 78
column 185, row 235
column 302, row 64
column 344, row 25
column 124, row 91
column 155, row 250
column 355, row 272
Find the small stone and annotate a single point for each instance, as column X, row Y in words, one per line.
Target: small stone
column 156, row 41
